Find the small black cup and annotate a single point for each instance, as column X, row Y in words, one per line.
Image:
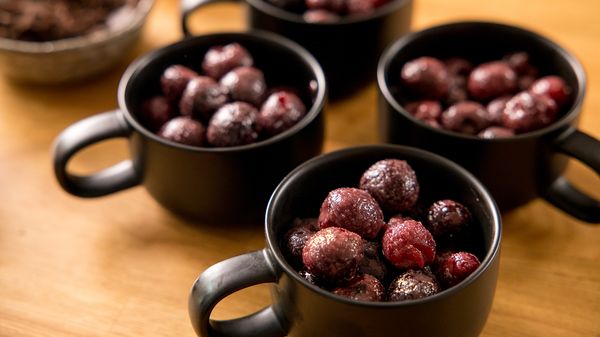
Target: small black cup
column 301, row 309
column 213, row 185
column 348, row 50
column 515, row 169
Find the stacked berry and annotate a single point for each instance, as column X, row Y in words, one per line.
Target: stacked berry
column 228, row 105
column 352, row 251
column 317, row 11
column 492, row 100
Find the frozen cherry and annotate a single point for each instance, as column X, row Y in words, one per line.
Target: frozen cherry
column 447, row 217
column 174, row 80
column 527, row 111
column 393, row 183
column 525, row 82
column 491, row 80
column 457, row 89
column 408, row 244
column 202, row 97
column 333, row 254
column 336, row 6
column 353, row 209
column 553, row 87
column 373, row 263
column 280, row 111
column 425, row 110
column 221, row 59
column 155, row 112
column 520, row 63
column 412, row 285
column 495, row 108
column 362, row 7
column 494, row 132
column 183, row 130
column 320, row 15
column 362, row 288
column 427, row 77
column 295, row 238
column 245, row 84
column 451, row 268
column 458, row 66
column 233, row 124
column 467, row 117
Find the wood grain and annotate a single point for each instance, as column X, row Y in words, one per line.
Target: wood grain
column 122, row 266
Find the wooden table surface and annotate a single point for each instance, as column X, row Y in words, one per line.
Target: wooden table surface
column 122, row 266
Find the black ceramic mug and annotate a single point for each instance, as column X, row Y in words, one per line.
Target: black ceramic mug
column 301, row 309
column 214, row 185
column 348, row 49
column 515, row 169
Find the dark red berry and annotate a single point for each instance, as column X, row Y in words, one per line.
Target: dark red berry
column 458, row 66
column 425, row 110
column 155, row 112
column 412, row 285
column 447, row 217
column 362, row 7
column 362, row 288
column 427, row 77
column 333, row 254
column 221, row 59
column 452, row 268
column 466, row 117
column 245, row 84
column 553, row 87
column 202, row 97
column 336, row 6
column 491, row 80
column 174, row 80
column 232, row 125
column 494, row 132
column 393, row 183
column 495, row 108
column 373, row 262
column 280, row 111
column 353, row 209
column 527, row 112
column 525, row 82
column 408, row 244
column 183, row 130
column 296, row 237
column 520, row 63
column 319, row 16
column 457, row 89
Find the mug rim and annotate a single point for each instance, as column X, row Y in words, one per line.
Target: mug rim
column 492, row 254
column 392, row 51
column 283, row 14
column 280, row 42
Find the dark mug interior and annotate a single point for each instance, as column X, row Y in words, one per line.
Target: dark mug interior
column 515, row 169
column 459, row 311
column 347, row 49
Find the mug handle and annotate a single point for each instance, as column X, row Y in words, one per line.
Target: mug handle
column 84, row 133
column 562, row 193
column 225, row 278
column 189, row 6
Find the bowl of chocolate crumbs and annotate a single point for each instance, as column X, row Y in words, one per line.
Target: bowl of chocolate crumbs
column 57, row 41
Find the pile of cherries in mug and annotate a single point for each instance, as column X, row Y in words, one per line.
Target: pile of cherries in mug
column 350, row 250
column 494, row 99
column 324, row 11
column 227, row 104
